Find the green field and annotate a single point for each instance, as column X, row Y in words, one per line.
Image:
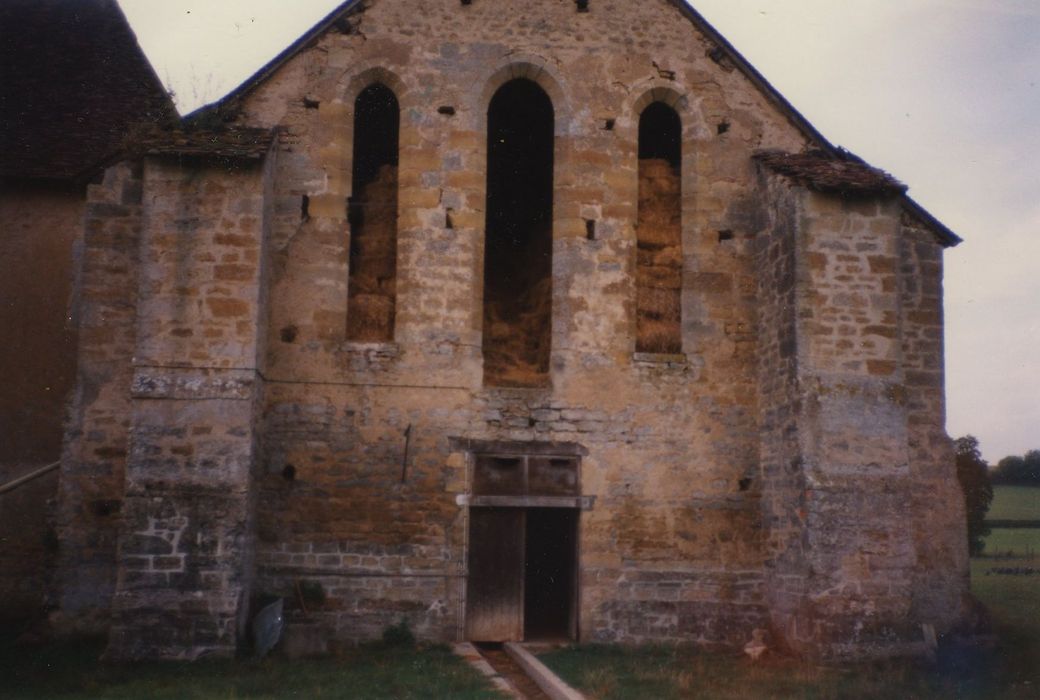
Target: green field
column 1013, row 600
column 1015, row 503
column 1013, row 542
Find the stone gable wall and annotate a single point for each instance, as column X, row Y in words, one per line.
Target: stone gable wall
column 670, row 437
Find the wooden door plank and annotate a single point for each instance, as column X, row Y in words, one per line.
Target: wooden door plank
column 495, row 584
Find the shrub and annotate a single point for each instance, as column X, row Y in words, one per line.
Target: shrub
column 973, row 475
column 399, row 635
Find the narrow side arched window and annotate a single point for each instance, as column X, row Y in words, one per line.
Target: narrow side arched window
column 659, row 232
column 518, row 236
column 372, row 284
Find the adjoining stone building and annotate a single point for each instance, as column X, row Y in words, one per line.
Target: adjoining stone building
column 513, row 320
column 64, row 113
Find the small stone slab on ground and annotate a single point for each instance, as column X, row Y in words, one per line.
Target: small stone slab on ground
column 549, row 682
column 470, row 655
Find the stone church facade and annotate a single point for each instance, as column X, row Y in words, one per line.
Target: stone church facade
column 513, row 320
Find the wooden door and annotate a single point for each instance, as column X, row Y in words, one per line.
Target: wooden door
column 495, row 585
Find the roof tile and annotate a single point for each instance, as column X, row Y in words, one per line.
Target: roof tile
column 843, row 174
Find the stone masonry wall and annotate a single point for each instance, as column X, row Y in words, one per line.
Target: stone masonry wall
column 94, row 455
column 783, row 482
column 761, row 476
column 854, row 426
column 850, row 442
column 671, row 549
column 940, row 573
column 674, row 546
column 336, row 514
column 186, row 552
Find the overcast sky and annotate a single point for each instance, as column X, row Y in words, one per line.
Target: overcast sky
column 942, row 93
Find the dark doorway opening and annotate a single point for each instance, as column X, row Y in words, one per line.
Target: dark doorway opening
column 549, row 574
column 372, row 214
column 518, row 237
column 659, row 232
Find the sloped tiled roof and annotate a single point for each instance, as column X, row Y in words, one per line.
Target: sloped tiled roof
column 72, row 80
column 228, row 142
column 832, row 173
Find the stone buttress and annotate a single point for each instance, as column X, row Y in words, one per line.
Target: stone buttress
column 841, row 471
column 185, row 560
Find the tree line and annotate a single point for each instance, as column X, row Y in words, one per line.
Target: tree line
column 1018, row 471
column 977, row 479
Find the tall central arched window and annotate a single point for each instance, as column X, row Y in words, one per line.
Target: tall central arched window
column 659, row 232
column 372, row 285
column 518, row 245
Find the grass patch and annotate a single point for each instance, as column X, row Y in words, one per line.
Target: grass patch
column 619, row 673
column 69, row 671
column 1013, row 600
column 1012, row 670
column 1015, row 503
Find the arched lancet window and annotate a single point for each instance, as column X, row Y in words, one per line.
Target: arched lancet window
column 518, row 243
column 372, row 285
column 659, row 232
